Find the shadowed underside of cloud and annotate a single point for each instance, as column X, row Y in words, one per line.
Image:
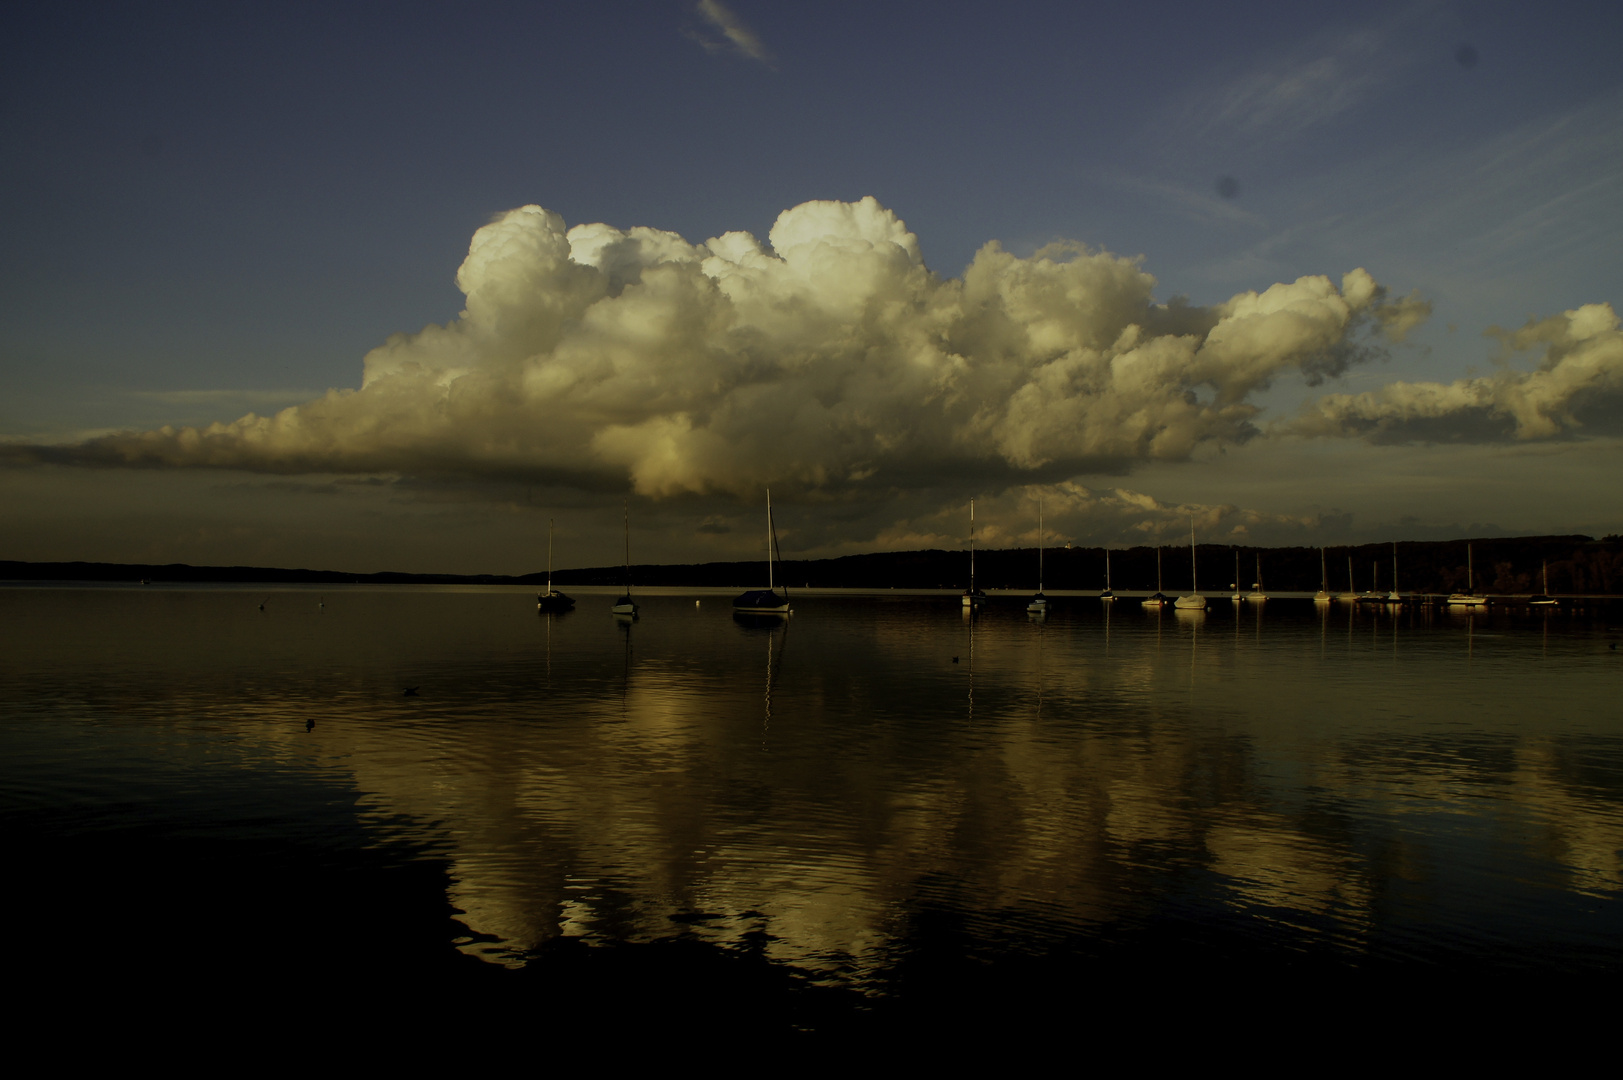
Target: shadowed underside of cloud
column 1071, row 510
column 1577, row 384
column 829, row 359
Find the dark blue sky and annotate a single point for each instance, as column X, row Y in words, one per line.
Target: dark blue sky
column 209, row 208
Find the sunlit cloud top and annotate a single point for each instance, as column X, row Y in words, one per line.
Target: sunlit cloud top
column 825, row 359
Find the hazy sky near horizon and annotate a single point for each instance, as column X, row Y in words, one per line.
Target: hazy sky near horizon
column 386, row 286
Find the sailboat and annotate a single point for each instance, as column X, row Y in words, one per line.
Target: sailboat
column 973, row 597
column 625, row 605
column 1107, row 594
column 1238, row 598
column 1544, row 599
column 1039, row 603
column 1394, row 597
column 1351, row 595
column 1194, row 601
column 552, row 601
column 1323, row 595
column 1374, row 596
column 1159, row 599
column 1257, row 595
column 1468, row 598
column 767, row 601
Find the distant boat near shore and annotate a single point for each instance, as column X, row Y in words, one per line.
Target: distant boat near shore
column 1194, row 601
column 552, row 602
column 1468, row 598
column 973, row 597
column 626, row 606
column 767, row 601
column 1039, row 603
column 1157, row 599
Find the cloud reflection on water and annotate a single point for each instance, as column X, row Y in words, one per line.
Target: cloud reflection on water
column 1355, row 782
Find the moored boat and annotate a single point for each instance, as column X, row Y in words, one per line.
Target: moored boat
column 767, row 601
column 552, row 602
column 1039, row 602
column 1157, row 599
column 1194, row 601
column 1468, row 598
column 973, row 597
column 626, row 606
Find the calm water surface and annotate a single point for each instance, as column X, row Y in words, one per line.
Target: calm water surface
column 1377, row 788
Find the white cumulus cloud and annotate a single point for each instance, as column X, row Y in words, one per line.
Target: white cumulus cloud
column 825, row 359
column 1578, row 383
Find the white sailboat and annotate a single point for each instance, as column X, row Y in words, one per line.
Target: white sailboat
column 1194, row 601
column 1323, row 595
column 1159, row 599
column 1468, row 598
column 552, row 601
column 973, row 597
column 1544, row 599
column 1238, row 598
column 625, row 605
column 1257, row 595
column 1107, row 594
column 1039, row 603
column 767, row 601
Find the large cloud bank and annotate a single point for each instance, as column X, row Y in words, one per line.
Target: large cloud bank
column 827, row 358
column 1578, row 381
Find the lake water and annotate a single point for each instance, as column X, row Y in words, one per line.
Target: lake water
column 876, row 797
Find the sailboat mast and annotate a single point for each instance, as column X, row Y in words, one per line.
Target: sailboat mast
column 769, row 535
column 1039, row 543
column 972, row 547
column 1394, row 567
column 1324, row 573
column 549, row 555
column 1470, row 571
column 1158, row 569
column 1107, row 569
column 1259, row 572
column 1194, row 585
column 627, row 510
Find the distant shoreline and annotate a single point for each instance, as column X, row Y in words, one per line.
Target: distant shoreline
column 1503, row 566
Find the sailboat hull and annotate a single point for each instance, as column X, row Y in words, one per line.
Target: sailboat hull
column 553, row 603
column 761, row 602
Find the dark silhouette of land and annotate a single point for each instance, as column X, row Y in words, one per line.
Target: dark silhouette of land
column 1578, row 565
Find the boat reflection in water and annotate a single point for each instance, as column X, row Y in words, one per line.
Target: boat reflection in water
column 1142, row 785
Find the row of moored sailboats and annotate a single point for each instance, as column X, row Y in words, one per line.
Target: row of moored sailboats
column 768, row 602
column 773, row 601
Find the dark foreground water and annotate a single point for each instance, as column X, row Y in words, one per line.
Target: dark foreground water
column 878, row 815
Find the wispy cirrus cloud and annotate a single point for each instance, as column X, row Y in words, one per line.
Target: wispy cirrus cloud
column 724, row 31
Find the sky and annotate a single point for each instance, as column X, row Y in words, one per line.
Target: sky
column 393, row 286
